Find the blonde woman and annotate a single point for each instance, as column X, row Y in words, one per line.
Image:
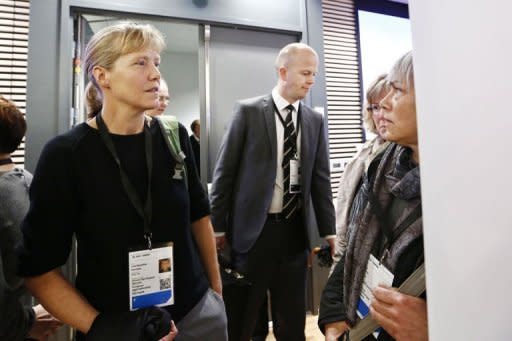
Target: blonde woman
column 357, row 167
column 111, row 183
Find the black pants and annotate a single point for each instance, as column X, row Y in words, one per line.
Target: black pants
column 261, row 329
column 277, row 262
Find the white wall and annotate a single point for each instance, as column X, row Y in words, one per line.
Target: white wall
column 180, row 70
column 463, row 58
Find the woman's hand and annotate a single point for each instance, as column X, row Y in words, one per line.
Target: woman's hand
column 217, row 287
column 44, row 325
column 221, row 242
column 172, row 334
column 403, row 316
column 334, row 330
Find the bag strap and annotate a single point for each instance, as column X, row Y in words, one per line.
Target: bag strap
column 169, row 126
column 414, row 285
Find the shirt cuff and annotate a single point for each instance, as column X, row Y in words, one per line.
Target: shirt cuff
column 220, row 234
column 330, row 236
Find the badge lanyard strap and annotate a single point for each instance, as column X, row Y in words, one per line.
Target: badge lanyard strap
column 145, row 212
column 278, row 113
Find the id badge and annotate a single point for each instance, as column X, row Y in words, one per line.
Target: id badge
column 151, row 276
column 294, row 175
column 376, row 274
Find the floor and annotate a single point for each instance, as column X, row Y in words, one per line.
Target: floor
column 312, row 331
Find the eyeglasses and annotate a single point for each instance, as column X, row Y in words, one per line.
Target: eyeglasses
column 373, row 107
column 164, row 99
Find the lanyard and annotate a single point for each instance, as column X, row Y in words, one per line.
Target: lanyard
column 146, row 211
column 278, row 113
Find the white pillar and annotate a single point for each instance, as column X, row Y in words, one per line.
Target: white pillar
column 463, row 62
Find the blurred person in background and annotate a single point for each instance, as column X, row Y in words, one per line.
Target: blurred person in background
column 19, row 320
column 195, row 142
column 163, row 100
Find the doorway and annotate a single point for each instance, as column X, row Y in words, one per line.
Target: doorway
column 241, row 65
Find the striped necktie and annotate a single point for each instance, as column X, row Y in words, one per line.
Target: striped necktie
column 290, row 200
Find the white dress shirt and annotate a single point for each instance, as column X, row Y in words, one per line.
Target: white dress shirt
column 276, row 206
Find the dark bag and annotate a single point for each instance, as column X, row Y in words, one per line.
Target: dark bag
column 323, row 254
column 229, row 275
column 147, row 324
column 235, row 291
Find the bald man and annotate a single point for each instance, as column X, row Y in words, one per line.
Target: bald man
column 272, row 165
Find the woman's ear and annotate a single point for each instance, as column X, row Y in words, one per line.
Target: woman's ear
column 101, row 76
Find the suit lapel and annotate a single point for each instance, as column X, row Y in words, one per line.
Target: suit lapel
column 304, row 137
column 270, row 120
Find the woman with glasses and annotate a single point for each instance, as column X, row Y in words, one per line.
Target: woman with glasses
column 355, row 169
column 385, row 232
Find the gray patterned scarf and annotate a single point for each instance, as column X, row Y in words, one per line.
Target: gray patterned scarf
column 394, row 177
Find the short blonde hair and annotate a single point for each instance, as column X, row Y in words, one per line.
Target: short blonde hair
column 111, row 42
column 377, row 90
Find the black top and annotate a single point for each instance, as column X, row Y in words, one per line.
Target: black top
column 77, row 190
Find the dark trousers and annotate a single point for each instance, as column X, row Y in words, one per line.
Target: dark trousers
column 277, row 262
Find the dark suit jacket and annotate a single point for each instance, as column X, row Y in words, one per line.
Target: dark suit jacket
column 197, row 152
column 245, row 172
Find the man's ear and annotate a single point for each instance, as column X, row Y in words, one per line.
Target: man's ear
column 102, row 76
column 283, row 71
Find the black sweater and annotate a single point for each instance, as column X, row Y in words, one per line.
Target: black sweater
column 77, row 191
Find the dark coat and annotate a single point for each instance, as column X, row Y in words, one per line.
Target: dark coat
column 245, row 172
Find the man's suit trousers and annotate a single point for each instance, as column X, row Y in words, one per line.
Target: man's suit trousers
column 277, row 262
